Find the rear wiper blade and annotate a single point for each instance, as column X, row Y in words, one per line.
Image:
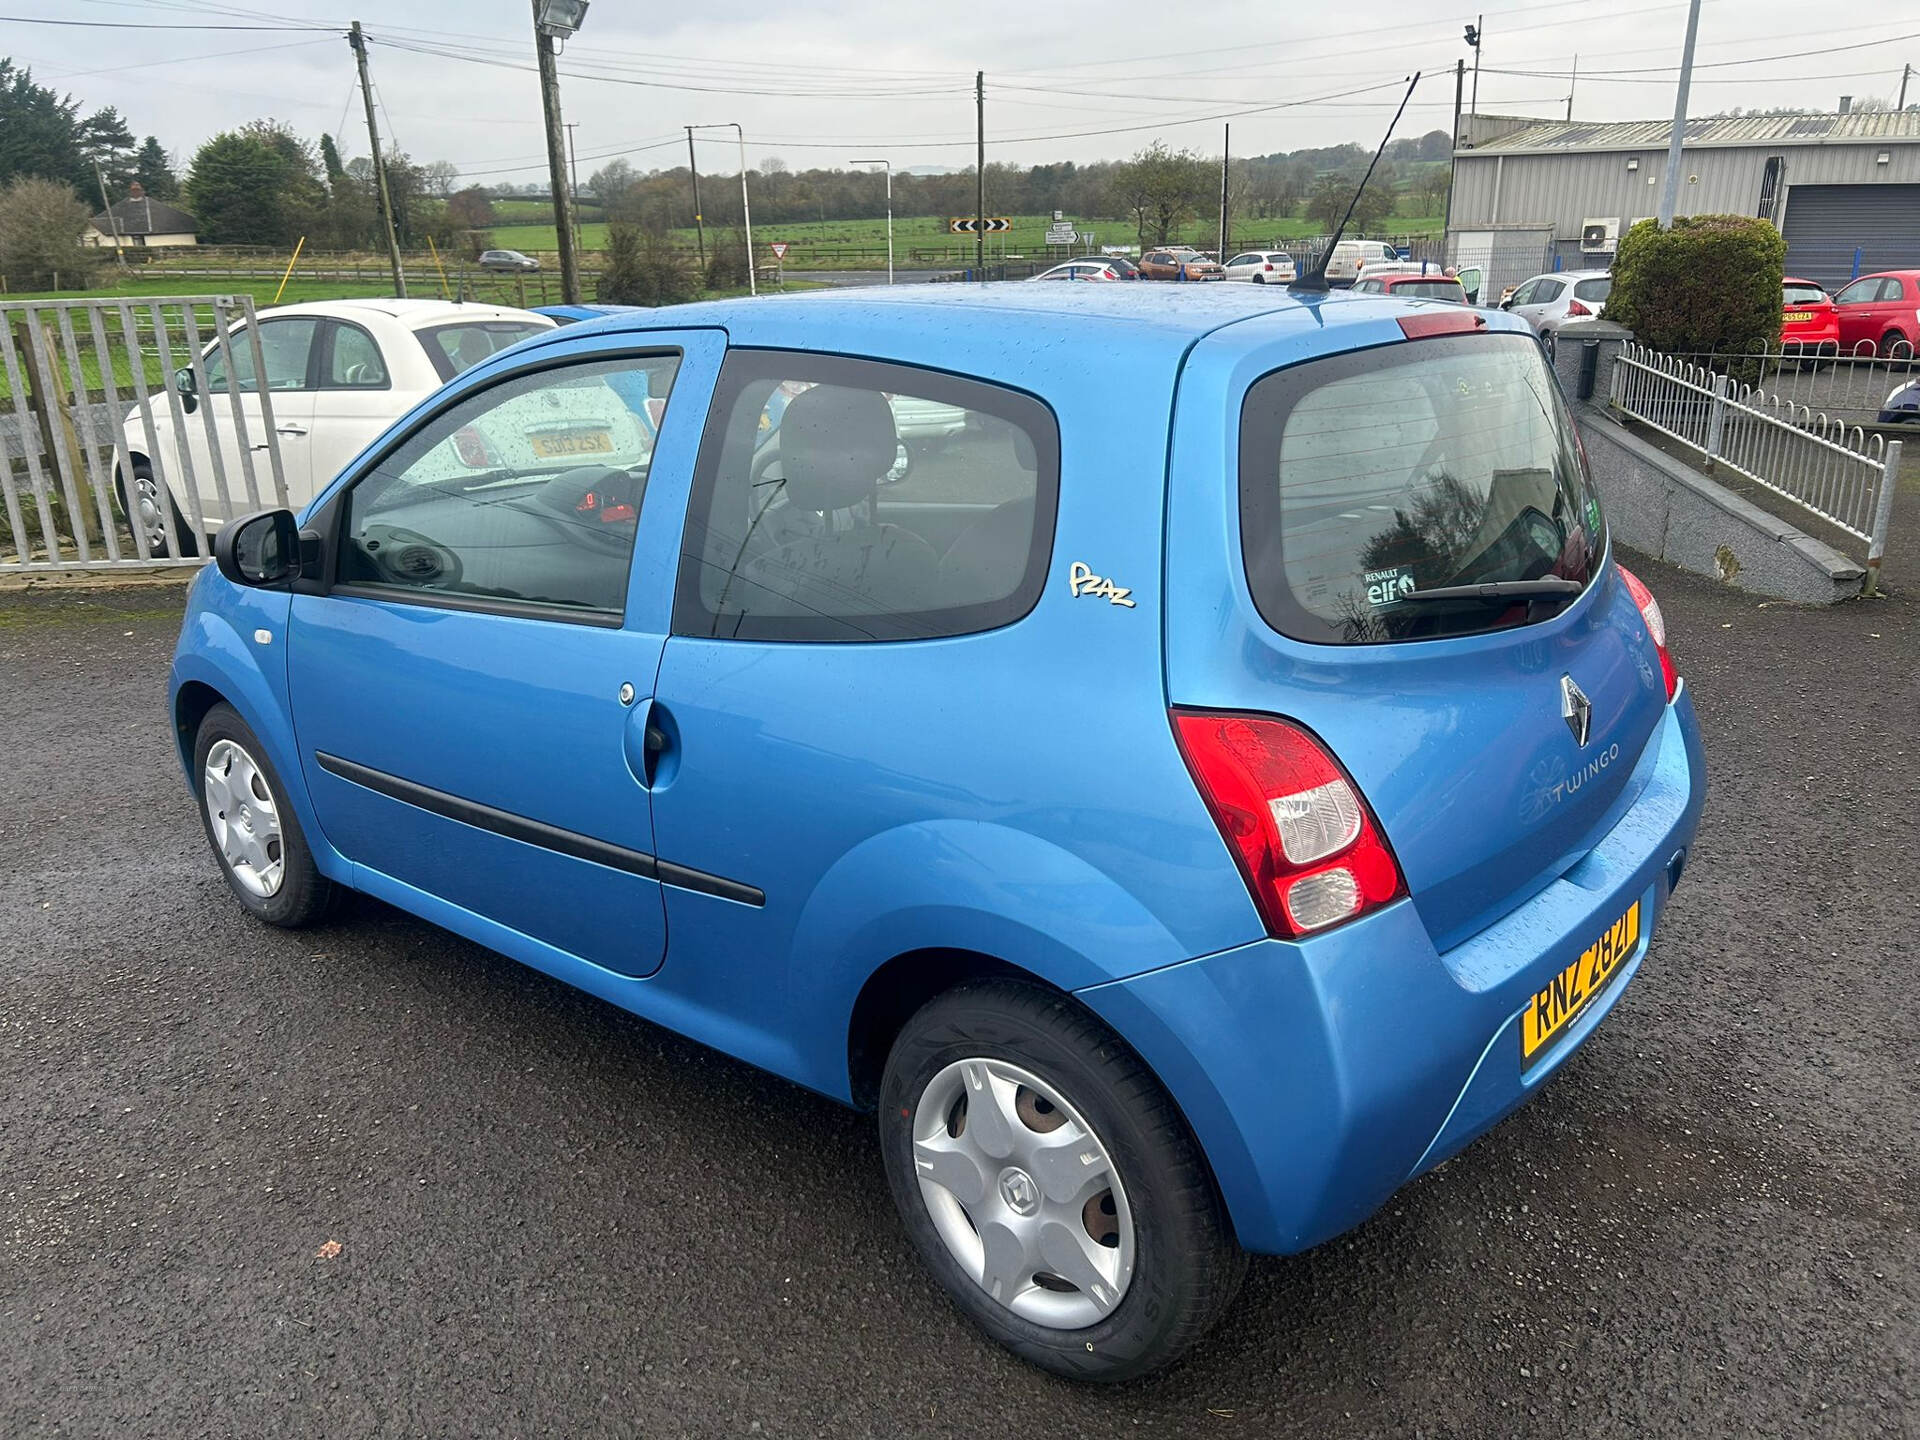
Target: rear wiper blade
column 1496, row 590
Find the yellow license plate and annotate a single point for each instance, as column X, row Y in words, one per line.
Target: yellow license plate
column 1798, row 317
column 1562, row 1002
column 558, row 444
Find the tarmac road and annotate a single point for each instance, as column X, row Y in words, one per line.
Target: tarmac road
column 555, row 1219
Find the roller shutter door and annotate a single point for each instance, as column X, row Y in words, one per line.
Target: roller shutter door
column 1826, row 223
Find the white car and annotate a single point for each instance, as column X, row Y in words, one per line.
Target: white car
column 338, row 373
column 1545, row 301
column 1261, row 267
column 1349, row 256
column 1079, row 270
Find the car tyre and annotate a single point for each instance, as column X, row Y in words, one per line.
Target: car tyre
column 1159, row 1234
column 1895, row 346
column 253, row 831
column 1259, row 279
column 142, row 509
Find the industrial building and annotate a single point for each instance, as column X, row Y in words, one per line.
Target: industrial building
column 1844, row 188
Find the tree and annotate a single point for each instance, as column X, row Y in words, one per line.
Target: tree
column 643, row 268
column 105, row 141
column 255, row 186
column 331, row 162
column 1161, row 188
column 440, row 177
column 39, row 130
column 41, row 222
column 470, row 209
column 1330, row 198
column 154, row 170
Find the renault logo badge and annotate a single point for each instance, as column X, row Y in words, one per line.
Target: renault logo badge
column 1576, row 710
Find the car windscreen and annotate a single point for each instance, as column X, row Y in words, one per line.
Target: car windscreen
column 1793, row 294
column 1597, row 288
column 1415, row 466
column 465, row 343
column 1432, row 290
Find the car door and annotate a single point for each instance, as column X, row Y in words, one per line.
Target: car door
column 1856, row 306
column 472, row 691
column 229, row 406
column 825, row 615
column 1539, row 304
column 355, row 400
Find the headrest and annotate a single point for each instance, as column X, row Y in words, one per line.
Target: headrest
column 835, row 445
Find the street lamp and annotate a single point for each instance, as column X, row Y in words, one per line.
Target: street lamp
column 553, row 22
column 746, row 211
column 889, row 165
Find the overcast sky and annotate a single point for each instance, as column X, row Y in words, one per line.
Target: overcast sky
column 820, row 82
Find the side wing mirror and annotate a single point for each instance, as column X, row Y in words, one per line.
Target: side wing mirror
column 188, row 387
column 260, row 551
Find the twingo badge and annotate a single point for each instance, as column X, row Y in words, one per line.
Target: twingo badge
column 1085, row 584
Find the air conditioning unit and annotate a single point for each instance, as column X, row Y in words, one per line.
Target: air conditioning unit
column 1599, row 237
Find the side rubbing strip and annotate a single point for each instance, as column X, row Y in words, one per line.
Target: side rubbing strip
column 538, row 832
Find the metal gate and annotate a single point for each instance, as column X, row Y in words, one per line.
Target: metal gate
column 130, row 429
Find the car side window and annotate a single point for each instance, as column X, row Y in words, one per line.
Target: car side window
column 355, row 362
column 1546, row 291
column 1858, row 293
column 1892, row 289
column 852, row 500
column 1524, row 295
column 285, row 345
column 525, row 494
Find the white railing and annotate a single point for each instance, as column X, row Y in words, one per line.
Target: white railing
column 1831, row 468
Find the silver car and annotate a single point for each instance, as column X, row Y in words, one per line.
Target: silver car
column 1546, row 301
column 1261, row 267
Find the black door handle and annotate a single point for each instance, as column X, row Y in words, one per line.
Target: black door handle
column 655, row 745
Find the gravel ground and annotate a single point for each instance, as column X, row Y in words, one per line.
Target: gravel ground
column 555, row 1219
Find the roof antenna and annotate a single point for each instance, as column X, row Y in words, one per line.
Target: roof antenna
column 1316, row 283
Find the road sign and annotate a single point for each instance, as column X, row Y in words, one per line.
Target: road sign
column 1060, row 234
column 779, row 248
column 992, row 225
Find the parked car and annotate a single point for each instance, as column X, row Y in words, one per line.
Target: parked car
column 1547, row 301
column 1081, row 270
column 1229, row 781
column 1177, row 262
column 1880, row 314
column 1411, row 284
column 1343, row 266
column 1809, row 323
column 1122, row 265
column 506, row 260
column 1261, row 267
column 1903, row 405
column 338, row 372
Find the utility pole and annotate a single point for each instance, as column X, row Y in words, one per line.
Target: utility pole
column 1226, row 149
column 1453, row 165
column 113, row 221
column 1572, row 81
column 980, row 175
column 556, row 160
column 573, row 180
column 1906, row 72
column 359, row 43
column 1670, row 187
column 888, row 164
column 746, row 210
column 699, row 224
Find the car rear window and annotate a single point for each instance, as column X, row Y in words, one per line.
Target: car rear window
column 1596, row 289
column 1802, row 294
column 465, row 343
column 1429, row 463
column 1432, row 290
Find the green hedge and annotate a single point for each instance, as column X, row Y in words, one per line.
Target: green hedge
column 1712, row 282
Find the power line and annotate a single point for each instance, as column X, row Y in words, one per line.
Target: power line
column 153, row 25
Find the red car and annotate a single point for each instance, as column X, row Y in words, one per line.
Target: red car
column 1880, row 314
column 1809, row 324
column 1432, row 286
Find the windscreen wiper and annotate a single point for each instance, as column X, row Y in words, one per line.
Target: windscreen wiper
column 1496, row 590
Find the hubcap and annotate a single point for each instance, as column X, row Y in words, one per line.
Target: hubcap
column 244, row 820
column 146, row 502
column 1023, row 1193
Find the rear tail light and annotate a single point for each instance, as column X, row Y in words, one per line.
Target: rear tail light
column 1574, row 307
column 472, row 448
column 1656, row 625
column 1267, row 266
column 1309, row 849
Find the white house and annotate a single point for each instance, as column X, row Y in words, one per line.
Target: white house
column 143, row 223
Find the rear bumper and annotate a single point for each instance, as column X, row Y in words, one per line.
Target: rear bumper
column 1320, row 1077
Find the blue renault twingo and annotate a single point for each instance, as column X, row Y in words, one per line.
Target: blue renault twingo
column 1199, row 788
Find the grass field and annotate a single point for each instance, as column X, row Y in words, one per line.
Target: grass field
column 926, row 232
